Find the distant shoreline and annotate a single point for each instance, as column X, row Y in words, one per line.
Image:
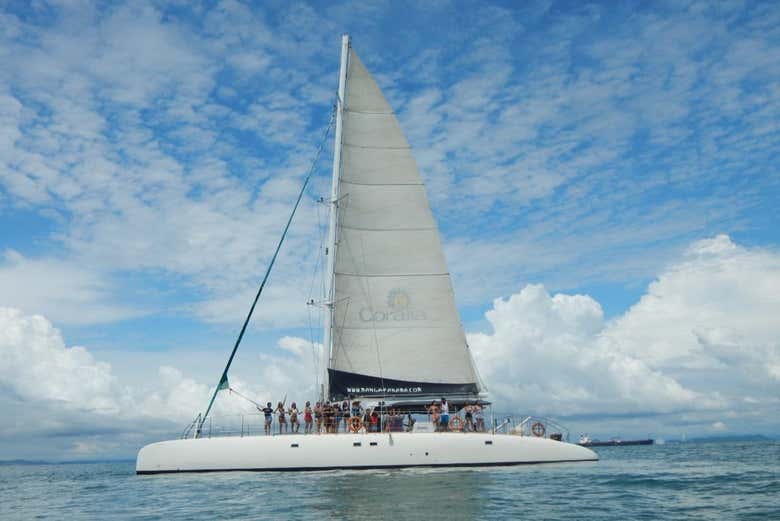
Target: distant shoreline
column 735, row 437
column 64, row 462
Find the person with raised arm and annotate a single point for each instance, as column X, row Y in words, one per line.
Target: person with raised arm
column 268, row 412
column 281, row 415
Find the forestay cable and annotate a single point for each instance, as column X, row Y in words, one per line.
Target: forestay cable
column 223, row 381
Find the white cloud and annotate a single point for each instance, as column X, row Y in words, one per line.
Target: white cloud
column 110, row 124
column 719, row 426
column 65, row 291
column 546, row 354
column 704, row 338
column 61, row 393
column 719, row 304
column 171, row 147
column 36, row 366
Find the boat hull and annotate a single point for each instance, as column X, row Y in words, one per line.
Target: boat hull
column 359, row 451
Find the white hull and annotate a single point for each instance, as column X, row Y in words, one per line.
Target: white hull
column 359, row 451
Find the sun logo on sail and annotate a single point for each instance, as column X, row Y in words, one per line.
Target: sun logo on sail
column 399, row 309
column 397, row 299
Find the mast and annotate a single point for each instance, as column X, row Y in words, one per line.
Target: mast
column 334, row 196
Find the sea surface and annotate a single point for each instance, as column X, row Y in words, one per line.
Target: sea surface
column 724, row 480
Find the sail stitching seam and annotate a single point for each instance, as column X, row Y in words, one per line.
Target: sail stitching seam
column 407, row 147
column 380, row 184
column 386, row 229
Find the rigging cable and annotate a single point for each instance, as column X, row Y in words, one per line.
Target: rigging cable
column 311, row 302
column 233, row 391
column 223, row 381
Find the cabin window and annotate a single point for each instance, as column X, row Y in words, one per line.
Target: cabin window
column 294, row 446
column 357, row 444
column 373, row 444
column 488, row 442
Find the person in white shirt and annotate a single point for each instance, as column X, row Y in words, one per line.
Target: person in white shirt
column 445, row 414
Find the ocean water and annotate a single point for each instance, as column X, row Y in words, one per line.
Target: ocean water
column 726, row 480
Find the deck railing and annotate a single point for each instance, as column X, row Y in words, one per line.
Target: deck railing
column 253, row 424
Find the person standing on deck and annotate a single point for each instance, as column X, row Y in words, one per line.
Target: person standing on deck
column 282, row 418
column 307, row 418
column 318, row 417
column 367, row 420
column 294, row 423
column 327, row 416
column 433, row 414
column 269, row 417
column 468, row 425
column 337, row 415
column 357, row 409
column 479, row 418
column 374, row 421
column 345, row 414
column 445, row 415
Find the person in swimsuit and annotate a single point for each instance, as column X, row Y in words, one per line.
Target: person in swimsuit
column 269, row 417
column 367, row 420
column 307, row 418
column 281, row 415
column 294, row 423
column 374, row 419
column 327, row 416
column 345, row 414
column 391, row 425
column 468, row 424
column 318, row 417
column 337, row 415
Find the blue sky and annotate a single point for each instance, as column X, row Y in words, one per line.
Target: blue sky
column 150, row 153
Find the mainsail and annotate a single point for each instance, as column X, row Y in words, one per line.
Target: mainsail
column 394, row 328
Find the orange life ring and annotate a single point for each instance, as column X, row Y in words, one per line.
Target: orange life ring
column 456, row 423
column 355, row 424
column 538, row 429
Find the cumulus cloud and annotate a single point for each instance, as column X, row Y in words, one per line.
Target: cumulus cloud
column 703, row 338
column 61, row 392
column 37, row 366
column 546, row 353
column 715, row 309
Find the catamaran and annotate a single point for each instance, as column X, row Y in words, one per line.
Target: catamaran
column 392, row 334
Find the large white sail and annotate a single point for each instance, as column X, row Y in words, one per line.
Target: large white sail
column 395, row 329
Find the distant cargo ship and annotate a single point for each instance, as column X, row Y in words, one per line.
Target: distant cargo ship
column 585, row 441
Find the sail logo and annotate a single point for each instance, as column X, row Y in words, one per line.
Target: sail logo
column 399, row 309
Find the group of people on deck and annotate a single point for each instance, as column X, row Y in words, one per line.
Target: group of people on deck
column 473, row 417
column 334, row 417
